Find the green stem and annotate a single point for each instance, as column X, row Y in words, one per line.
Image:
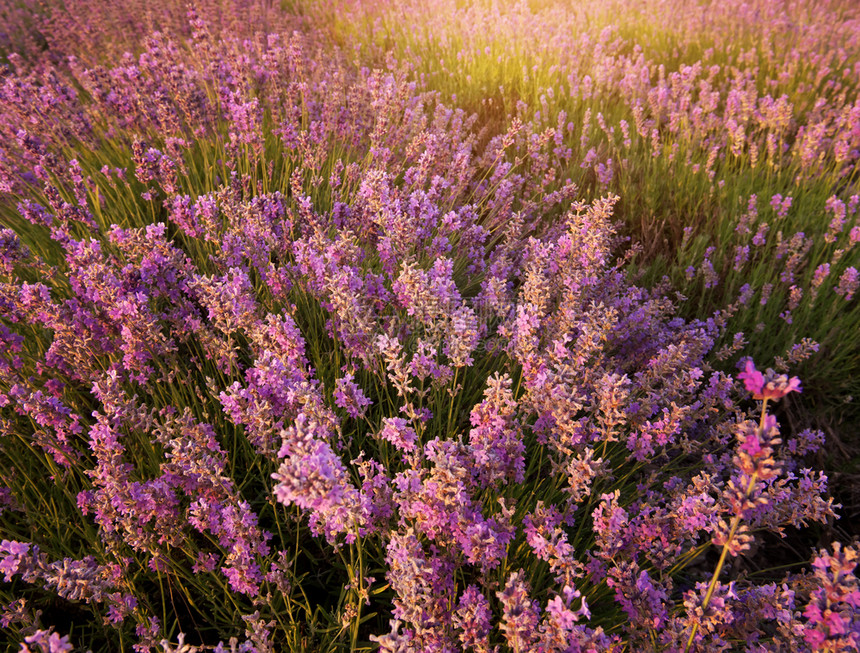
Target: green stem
column 735, row 524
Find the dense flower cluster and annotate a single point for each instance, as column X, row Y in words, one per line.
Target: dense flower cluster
column 298, row 355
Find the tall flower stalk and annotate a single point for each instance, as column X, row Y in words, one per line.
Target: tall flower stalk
column 755, row 461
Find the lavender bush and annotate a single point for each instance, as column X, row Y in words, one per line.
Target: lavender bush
column 301, row 353
column 729, row 130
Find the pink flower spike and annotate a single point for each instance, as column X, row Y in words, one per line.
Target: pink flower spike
column 769, row 385
column 752, row 378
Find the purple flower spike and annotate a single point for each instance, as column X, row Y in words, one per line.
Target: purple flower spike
column 832, row 612
column 46, row 641
column 350, row 397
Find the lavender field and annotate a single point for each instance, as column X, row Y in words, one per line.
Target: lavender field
column 352, row 325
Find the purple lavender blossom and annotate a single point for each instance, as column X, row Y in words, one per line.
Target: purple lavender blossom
column 520, row 613
column 350, row 397
column 832, row 612
column 46, row 641
column 849, row 282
